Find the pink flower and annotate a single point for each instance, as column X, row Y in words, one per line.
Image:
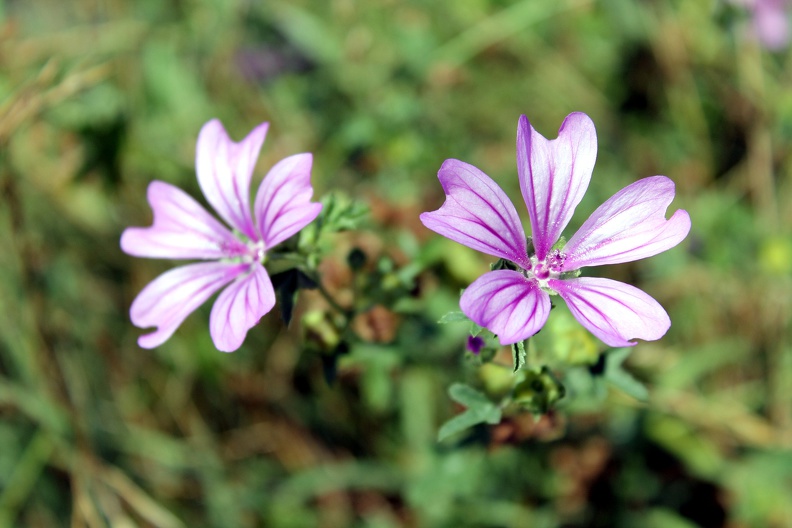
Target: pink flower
column 770, row 23
column 182, row 229
column 515, row 303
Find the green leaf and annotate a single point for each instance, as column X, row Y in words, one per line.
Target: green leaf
column 467, row 395
column 339, row 213
column 624, row 381
column 620, row 378
column 453, row 317
column 457, row 317
column 519, row 355
column 312, row 33
column 479, row 410
column 458, row 424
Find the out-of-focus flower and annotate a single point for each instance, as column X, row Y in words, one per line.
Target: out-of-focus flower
column 183, row 229
column 514, row 303
column 769, row 21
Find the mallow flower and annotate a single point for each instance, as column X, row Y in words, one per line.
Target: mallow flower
column 233, row 255
column 769, row 21
column 514, row 302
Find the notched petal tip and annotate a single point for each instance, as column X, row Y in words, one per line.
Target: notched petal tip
column 554, row 175
column 477, row 213
column 224, row 169
column 283, row 203
column 579, row 125
column 181, row 229
column 213, row 136
column 631, row 225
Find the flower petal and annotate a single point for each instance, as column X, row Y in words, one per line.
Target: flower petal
column 182, row 229
column 283, row 201
column 477, row 213
column 508, row 304
column 224, row 170
column 554, row 175
column 239, row 307
column 630, row 225
column 613, row 311
column 175, row 294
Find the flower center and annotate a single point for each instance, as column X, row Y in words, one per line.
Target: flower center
column 255, row 252
column 549, row 268
column 243, row 250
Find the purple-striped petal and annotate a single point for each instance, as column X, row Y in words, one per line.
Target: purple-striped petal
column 239, row 307
column 506, row 303
column 613, row 311
column 224, row 170
column 630, row 225
column 477, row 213
column 182, row 229
column 283, row 202
column 167, row 300
column 554, row 175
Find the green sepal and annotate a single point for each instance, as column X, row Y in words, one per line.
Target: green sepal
column 539, row 390
column 503, row 264
column 570, row 274
column 559, row 245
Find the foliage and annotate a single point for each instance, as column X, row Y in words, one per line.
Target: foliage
column 333, row 420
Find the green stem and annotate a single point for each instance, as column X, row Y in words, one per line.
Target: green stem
column 329, row 298
column 348, row 313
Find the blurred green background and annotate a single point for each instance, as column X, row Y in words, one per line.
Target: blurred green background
column 98, row 98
